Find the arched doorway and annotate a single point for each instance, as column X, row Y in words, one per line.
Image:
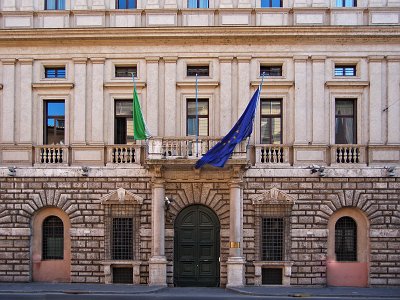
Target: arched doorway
column 196, row 249
column 51, row 246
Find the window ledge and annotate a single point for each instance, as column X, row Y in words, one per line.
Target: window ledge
column 285, row 265
column 208, row 83
column 108, row 272
column 345, row 82
column 124, row 84
column 275, row 82
column 53, row 85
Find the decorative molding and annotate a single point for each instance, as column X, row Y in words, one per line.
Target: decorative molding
column 53, row 85
column 125, row 84
column 274, row 196
column 203, row 83
column 275, row 82
column 347, row 83
column 121, row 196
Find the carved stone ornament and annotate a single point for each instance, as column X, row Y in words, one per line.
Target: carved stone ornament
column 121, row 196
column 274, row 196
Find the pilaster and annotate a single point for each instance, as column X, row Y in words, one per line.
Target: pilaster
column 225, row 97
column 8, row 106
column 243, row 83
column 318, row 87
column 300, row 120
column 392, row 109
column 170, row 126
column 97, row 100
column 26, row 105
column 151, row 112
column 79, row 103
column 375, row 100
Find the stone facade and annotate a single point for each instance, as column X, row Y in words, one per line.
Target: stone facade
column 305, row 183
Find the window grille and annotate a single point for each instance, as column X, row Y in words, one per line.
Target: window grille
column 271, row 275
column 346, row 239
column 271, row 3
column 272, row 239
column 199, row 70
column 122, row 223
column 345, row 70
column 122, row 275
column 125, row 71
column 52, row 238
column 270, row 70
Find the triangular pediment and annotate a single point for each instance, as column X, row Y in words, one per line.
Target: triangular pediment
column 274, row 196
column 121, row 196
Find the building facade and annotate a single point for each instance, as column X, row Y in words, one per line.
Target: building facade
column 313, row 198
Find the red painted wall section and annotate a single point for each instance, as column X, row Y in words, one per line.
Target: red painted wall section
column 347, row 274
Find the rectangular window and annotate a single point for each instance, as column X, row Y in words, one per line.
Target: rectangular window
column 271, row 121
column 125, row 71
column 271, row 70
column 202, row 125
column 346, row 3
column 123, row 133
column 122, row 238
column 126, row 4
column 343, row 70
column 122, row 275
column 271, row 3
column 345, row 121
column 197, row 3
column 54, row 4
column 271, row 275
column 272, row 239
column 54, row 72
column 199, row 70
column 54, row 118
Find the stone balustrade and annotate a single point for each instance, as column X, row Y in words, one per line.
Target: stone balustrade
column 272, row 154
column 348, row 154
column 51, row 155
column 123, row 154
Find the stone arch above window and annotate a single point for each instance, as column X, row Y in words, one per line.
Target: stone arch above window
column 121, row 196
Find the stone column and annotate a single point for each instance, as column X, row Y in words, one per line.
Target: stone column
column 236, row 260
column 158, row 262
column 151, row 115
column 393, row 110
column 170, row 126
column 300, row 119
column 225, row 97
column 318, row 101
column 26, row 108
column 375, row 100
column 97, row 101
column 8, row 107
column 79, row 104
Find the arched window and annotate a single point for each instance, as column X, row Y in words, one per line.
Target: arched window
column 53, row 238
column 346, row 239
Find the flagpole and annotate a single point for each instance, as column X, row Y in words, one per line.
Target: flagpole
column 197, row 120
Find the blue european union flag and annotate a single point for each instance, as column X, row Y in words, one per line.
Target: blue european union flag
column 220, row 153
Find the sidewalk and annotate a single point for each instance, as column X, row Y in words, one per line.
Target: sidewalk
column 126, row 289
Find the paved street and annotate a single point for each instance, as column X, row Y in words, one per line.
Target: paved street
column 39, row 291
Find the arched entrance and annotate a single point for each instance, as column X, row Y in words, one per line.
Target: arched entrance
column 196, row 249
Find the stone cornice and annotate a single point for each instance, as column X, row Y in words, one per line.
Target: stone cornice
column 53, row 85
column 209, row 83
column 276, row 82
column 127, row 84
column 331, row 83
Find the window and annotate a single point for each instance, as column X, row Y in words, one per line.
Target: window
column 54, row 4
column 202, row 114
column 346, row 239
column 343, row 70
column 122, row 275
column 54, row 118
column 122, row 238
column 197, row 3
column 271, row 3
column 199, row 70
column 346, row 3
column 271, row 121
column 53, row 238
column 123, row 133
column 270, row 70
column 54, row 72
column 125, row 71
column 345, row 121
column 125, row 4
column 272, row 239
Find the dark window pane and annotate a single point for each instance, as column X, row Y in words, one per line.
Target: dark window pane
column 271, row 70
column 122, row 275
column 345, row 118
column 126, row 4
column 346, row 239
column 272, row 239
column 53, row 238
column 123, row 122
column 202, row 114
column 122, row 238
column 126, row 71
column 54, row 127
column 199, row 70
column 271, row 276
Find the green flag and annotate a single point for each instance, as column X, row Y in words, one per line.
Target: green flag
column 140, row 131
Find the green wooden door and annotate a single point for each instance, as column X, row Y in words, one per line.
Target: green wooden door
column 196, row 261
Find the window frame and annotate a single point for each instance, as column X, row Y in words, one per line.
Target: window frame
column 270, row 4
column 345, row 243
column 271, row 116
column 343, row 68
column 353, row 117
column 57, row 5
column 197, row 6
column 192, row 100
column 46, row 117
column 117, row 6
column 262, row 65
column 54, row 234
column 56, row 71
column 199, row 74
column 343, row 3
column 269, row 252
column 134, row 67
column 120, row 117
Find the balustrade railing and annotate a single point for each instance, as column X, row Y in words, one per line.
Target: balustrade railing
column 272, row 154
column 123, row 154
column 52, row 154
column 348, row 154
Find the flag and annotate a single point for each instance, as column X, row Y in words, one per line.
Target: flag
column 140, row 131
column 220, row 153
